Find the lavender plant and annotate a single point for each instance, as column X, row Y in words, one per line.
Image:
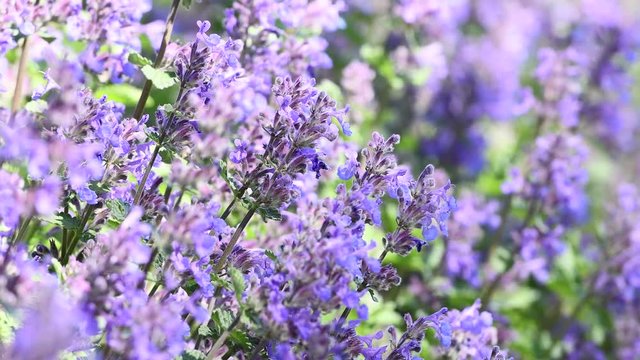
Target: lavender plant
column 253, row 179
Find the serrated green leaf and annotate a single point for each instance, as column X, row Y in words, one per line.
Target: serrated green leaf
column 137, row 59
column 118, row 209
column 100, row 188
column 220, row 282
column 204, row 331
column 240, row 339
column 237, row 280
column 159, row 78
column 68, row 222
column 221, row 319
column 270, row 213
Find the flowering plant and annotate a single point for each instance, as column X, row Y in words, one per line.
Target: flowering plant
column 257, row 183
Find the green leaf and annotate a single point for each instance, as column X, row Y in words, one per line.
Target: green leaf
column 204, row 331
column 186, row 3
column 46, row 36
column 270, row 213
column 222, row 319
column 153, row 136
column 57, row 267
column 240, row 339
column 271, row 255
column 237, row 280
column 373, row 295
column 224, row 170
column 220, row 282
column 192, row 355
column 166, row 155
column 118, row 209
column 159, row 78
column 137, row 59
column 68, row 222
column 99, row 188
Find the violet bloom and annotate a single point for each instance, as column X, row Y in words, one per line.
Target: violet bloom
column 422, row 205
column 472, row 334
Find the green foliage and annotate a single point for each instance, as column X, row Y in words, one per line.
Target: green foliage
column 237, row 281
column 158, row 77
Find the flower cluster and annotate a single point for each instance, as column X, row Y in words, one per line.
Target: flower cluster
column 237, row 187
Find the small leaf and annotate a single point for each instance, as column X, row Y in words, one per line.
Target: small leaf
column 220, row 282
column 118, row 209
column 192, row 355
column 159, row 78
column 186, row 3
column 222, row 319
column 166, row 155
column 270, row 213
column 237, row 280
column 240, row 339
column 204, row 331
column 224, row 170
column 99, row 188
column 137, row 59
column 373, row 295
column 46, row 36
column 68, row 222
column 271, row 255
column 153, row 136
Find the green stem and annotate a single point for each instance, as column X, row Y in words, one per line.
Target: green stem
column 218, row 344
column 78, row 235
column 146, row 90
column 347, row 311
column 229, row 208
column 23, row 229
column 140, row 190
column 234, row 240
column 255, row 354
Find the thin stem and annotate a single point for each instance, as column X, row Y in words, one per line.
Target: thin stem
column 229, row 208
column 17, row 92
column 497, row 237
column 65, row 235
column 225, row 255
column 223, row 337
column 255, row 354
column 234, row 240
column 347, row 311
column 78, row 235
column 138, row 196
column 23, row 229
column 163, row 47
